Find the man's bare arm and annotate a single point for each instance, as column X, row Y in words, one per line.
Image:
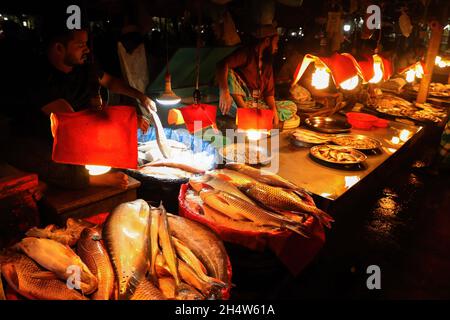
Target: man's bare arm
column 119, row 86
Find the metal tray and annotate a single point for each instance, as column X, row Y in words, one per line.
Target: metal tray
column 328, row 125
column 377, row 144
column 229, row 154
column 314, row 151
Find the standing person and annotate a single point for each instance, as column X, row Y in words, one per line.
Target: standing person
column 64, row 82
column 248, row 72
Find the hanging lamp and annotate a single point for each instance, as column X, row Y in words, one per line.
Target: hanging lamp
column 168, row 97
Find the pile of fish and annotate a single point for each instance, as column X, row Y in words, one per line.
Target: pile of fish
column 140, row 253
column 243, row 198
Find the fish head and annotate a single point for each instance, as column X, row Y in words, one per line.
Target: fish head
column 9, row 272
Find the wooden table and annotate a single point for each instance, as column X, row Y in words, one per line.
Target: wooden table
column 59, row 204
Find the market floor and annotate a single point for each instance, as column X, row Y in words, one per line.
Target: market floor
column 404, row 229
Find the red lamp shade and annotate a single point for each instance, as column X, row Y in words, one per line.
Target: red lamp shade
column 341, row 66
column 254, row 119
column 104, row 138
column 199, row 116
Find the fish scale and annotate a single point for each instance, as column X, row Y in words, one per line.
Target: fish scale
column 18, row 273
column 95, row 256
column 126, row 235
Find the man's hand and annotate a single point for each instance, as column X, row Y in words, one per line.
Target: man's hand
column 142, row 124
column 148, row 103
column 225, row 101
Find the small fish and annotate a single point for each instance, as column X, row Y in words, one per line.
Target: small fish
column 192, row 261
column 261, row 175
column 58, row 258
column 226, row 203
column 146, row 290
column 244, row 226
column 204, row 243
column 167, row 287
column 168, row 249
column 126, row 235
column 154, row 230
column 94, row 255
column 172, row 164
column 198, row 183
column 208, row 288
column 20, row 274
column 279, row 199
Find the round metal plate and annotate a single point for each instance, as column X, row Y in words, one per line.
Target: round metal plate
column 328, row 125
column 357, row 138
column 245, row 153
column 314, row 151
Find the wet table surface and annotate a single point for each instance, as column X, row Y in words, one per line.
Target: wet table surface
column 330, row 183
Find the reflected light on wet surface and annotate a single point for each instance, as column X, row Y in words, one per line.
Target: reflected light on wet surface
column 405, row 135
column 351, row 181
column 395, row 140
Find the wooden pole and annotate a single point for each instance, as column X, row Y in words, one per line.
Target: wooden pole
column 433, row 49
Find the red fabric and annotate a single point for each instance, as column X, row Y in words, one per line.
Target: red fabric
column 106, row 138
column 252, row 119
column 98, row 219
column 295, row 251
column 203, row 113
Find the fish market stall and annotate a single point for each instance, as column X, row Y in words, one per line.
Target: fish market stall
column 331, row 180
column 161, row 178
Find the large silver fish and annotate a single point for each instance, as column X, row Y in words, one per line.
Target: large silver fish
column 126, row 235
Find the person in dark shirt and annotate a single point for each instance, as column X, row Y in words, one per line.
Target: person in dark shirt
column 65, row 82
column 247, row 74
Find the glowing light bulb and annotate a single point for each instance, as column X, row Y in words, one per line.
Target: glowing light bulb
column 419, row 71
column 320, row 78
column 378, row 76
column 347, row 27
column 350, row 84
column 254, row 135
column 97, row 170
column 410, row 75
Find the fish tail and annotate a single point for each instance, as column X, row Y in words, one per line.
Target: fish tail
column 297, row 229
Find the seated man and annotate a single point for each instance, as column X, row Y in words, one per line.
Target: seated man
column 248, row 73
column 64, row 82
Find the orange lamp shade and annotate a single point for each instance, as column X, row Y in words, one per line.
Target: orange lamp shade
column 341, row 66
column 254, row 119
column 197, row 116
column 103, row 138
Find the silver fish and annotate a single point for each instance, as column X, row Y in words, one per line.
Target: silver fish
column 126, row 234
